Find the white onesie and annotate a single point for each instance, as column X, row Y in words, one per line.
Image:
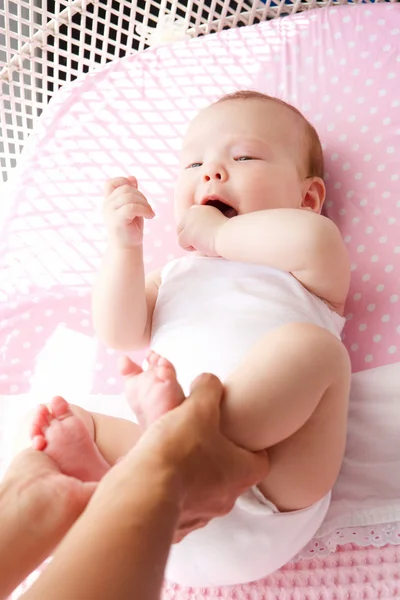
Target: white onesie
column 208, row 315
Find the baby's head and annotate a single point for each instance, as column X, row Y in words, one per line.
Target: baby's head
column 250, row 152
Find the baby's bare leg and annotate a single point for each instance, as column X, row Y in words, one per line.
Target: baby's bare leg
column 83, row 444
column 290, row 395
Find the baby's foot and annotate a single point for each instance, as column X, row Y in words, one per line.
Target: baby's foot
column 66, row 439
column 154, row 392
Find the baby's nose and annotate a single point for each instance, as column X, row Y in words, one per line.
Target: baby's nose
column 215, row 173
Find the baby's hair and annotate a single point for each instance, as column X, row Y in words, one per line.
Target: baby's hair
column 315, row 162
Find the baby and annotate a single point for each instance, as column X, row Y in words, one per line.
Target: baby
column 258, row 300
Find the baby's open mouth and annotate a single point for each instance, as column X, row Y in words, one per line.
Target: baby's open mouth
column 226, row 210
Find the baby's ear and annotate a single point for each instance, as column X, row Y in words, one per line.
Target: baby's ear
column 313, row 194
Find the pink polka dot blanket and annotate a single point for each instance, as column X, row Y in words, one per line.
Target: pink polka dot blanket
column 341, row 67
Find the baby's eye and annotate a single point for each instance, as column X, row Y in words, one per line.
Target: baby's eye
column 194, row 165
column 244, row 158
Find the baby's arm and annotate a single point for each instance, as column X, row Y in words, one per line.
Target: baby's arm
column 123, row 300
column 300, row 242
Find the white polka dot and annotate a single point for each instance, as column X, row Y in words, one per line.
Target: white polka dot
column 85, row 323
column 387, row 48
column 49, row 312
column 326, row 98
column 72, row 309
column 14, row 388
column 369, row 358
column 351, row 118
column 381, row 167
column 381, row 22
column 391, row 220
column 395, row 177
column 369, row 82
column 371, row 185
column 377, row 338
column 360, row 248
column 398, row 329
column 386, row 195
column 367, row 157
column 350, row 194
column 338, row 185
column 390, row 149
column 111, row 381
column 371, row 307
column 354, row 347
column 382, row 93
column 373, row 110
column 395, row 31
column 330, row 127
column 335, row 156
column 26, row 345
column 397, row 250
column 364, row 129
column 377, row 139
column 363, row 202
column 355, row 147
column 343, row 137
column 38, row 328
column 342, row 212
column 27, row 373
column 366, row 277
column 385, row 319
column 349, row 317
column 358, row 176
column 374, row 258
column 394, row 298
column 380, row 287
column 347, row 239
column 369, row 229
column 355, row 220
column 362, row 327
column 373, row 38
column 386, row 121
column 377, row 65
column 377, row 211
column 357, row 296
column 392, row 349
column 353, row 267
column 26, row 316
column 389, row 268
column 329, row 204
column 383, row 239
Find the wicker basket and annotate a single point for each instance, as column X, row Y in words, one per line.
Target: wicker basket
column 47, row 43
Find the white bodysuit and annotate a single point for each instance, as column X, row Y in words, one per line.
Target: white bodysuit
column 209, row 313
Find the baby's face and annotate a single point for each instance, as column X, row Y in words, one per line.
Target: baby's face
column 247, row 154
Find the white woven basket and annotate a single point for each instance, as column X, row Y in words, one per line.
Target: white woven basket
column 47, row 43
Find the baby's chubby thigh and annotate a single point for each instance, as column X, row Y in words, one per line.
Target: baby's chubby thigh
column 290, row 396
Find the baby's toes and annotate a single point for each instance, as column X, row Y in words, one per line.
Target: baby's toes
column 41, row 421
column 60, row 408
column 165, row 371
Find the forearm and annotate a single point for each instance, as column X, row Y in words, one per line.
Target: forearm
column 280, row 238
column 119, row 298
column 118, row 548
column 23, row 545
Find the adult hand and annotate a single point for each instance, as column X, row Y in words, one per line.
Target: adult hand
column 38, row 504
column 212, row 471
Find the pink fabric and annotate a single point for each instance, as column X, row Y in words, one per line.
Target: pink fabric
column 350, row 574
column 339, row 66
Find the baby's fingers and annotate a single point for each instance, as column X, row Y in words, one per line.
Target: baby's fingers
column 131, row 211
column 116, row 182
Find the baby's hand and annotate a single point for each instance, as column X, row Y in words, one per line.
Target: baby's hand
column 124, row 210
column 198, row 229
